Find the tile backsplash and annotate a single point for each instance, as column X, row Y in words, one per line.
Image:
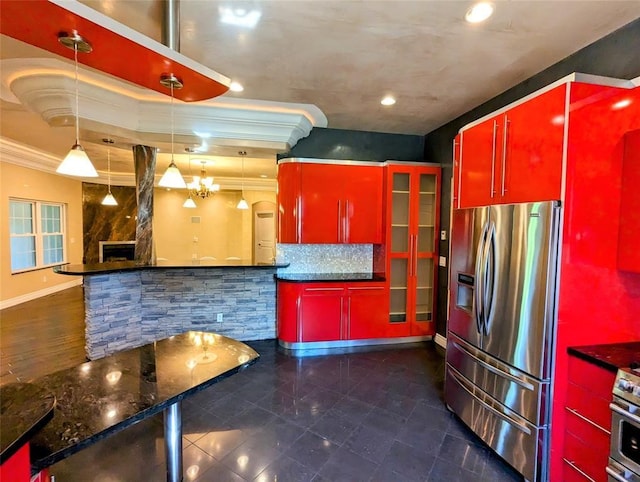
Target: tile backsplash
column 325, row 258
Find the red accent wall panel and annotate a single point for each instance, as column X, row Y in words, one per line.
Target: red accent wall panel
column 629, row 232
column 598, row 303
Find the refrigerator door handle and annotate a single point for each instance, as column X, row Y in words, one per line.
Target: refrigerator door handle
column 497, row 370
column 464, row 383
column 490, row 278
column 479, row 282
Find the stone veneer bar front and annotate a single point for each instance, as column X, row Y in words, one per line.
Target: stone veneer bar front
column 127, row 306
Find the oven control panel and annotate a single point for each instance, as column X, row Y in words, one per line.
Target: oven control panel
column 627, row 385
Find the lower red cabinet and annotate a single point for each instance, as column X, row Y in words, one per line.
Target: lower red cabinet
column 312, row 312
column 368, row 308
column 321, row 314
column 588, row 422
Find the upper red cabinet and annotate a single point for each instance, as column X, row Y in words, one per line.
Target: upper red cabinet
column 514, row 156
column 329, row 202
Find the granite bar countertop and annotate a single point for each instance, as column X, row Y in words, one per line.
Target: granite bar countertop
column 104, row 396
column 119, row 266
column 24, row 409
column 328, row 277
column 611, row 356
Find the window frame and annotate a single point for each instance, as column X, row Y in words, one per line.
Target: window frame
column 39, row 233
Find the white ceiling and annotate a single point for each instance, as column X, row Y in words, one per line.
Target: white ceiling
column 343, row 56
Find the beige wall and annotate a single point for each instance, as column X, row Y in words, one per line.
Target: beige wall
column 223, row 230
column 21, row 182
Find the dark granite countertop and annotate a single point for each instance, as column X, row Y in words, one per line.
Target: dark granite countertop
column 104, row 396
column 611, row 356
column 117, row 266
column 319, row 277
column 24, row 409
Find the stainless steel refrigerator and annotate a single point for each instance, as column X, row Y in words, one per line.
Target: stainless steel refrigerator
column 501, row 329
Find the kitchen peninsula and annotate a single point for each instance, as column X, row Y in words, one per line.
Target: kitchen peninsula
column 129, row 304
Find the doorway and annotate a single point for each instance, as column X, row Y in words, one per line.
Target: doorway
column 264, row 232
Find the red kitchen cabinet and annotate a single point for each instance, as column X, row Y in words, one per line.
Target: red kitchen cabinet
column 331, row 311
column 321, row 312
column 478, row 158
column 413, row 210
column 326, row 202
column 288, row 202
column 514, row 156
column 532, row 149
column 368, row 308
column 588, row 421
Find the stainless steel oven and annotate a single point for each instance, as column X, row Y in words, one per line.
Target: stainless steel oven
column 624, row 458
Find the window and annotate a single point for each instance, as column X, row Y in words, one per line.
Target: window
column 37, row 234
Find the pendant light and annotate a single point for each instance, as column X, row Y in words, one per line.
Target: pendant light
column 172, row 177
column 242, row 204
column 189, row 202
column 109, row 200
column 76, row 162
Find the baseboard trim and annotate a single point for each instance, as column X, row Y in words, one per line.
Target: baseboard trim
column 440, row 340
column 39, row 294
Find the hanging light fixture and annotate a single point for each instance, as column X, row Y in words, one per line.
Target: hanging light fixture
column 109, row 200
column 76, row 162
column 172, row 177
column 189, row 203
column 242, row 204
column 202, row 186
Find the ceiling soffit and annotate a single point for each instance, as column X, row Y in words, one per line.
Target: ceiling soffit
column 46, row 86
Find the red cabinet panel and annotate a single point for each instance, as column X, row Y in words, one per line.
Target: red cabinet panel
column 321, row 198
column 587, row 458
column 455, row 184
column 362, row 205
column 321, row 313
column 368, row 311
column 515, row 156
column 287, row 306
column 587, row 420
column 532, row 149
column 17, row 468
column 478, row 158
column 329, row 203
column 629, row 232
column 288, row 202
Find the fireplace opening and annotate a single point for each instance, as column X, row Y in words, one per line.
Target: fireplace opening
column 117, row 251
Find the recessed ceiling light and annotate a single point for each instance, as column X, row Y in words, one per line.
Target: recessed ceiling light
column 263, row 176
column 388, row 100
column 236, row 86
column 479, row 12
column 621, row 104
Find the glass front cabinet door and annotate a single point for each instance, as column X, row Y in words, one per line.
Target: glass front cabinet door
column 413, row 197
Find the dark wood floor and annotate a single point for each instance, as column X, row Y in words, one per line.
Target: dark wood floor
column 42, row 336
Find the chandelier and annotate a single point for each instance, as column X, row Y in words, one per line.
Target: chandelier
column 202, row 186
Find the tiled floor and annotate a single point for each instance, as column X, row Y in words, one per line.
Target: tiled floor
column 374, row 415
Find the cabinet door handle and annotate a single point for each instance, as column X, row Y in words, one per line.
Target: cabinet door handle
column 493, row 158
column 347, row 222
column 577, row 469
column 323, row 289
column 339, row 221
column 349, row 319
column 585, row 419
column 504, row 152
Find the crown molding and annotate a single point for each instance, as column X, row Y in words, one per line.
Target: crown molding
column 46, row 86
column 22, row 155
